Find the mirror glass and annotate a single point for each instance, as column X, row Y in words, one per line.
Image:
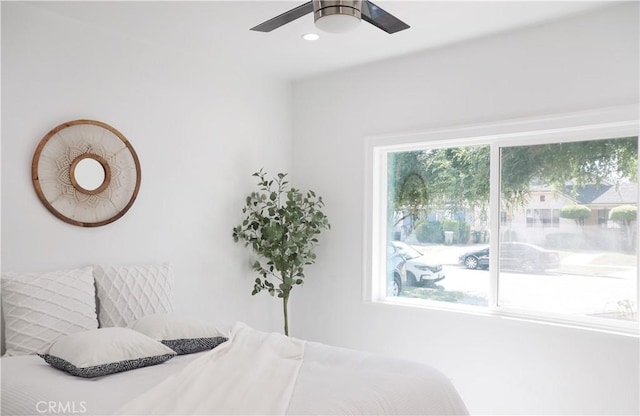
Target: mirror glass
column 89, row 174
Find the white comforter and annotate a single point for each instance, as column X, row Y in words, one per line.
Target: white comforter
column 254, row 373
column 329, row 381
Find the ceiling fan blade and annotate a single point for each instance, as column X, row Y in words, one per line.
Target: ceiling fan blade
column 382, row 19
column 284, row 18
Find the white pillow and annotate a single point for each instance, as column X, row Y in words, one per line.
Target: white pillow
column 105, row 351
column 40, row 307
column 181, row 334
column 127, row 293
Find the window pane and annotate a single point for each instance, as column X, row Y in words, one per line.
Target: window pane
column 438, row 218
column 569, row 246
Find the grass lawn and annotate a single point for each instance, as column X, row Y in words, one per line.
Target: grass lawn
column 439, row 294
column 618, row 259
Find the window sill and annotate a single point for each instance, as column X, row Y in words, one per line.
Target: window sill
column 601, row 325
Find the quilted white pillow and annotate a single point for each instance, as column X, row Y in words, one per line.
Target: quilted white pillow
column 40, row 307
column 127, row 293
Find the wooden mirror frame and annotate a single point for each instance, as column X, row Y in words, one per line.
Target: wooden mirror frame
column 105, row 167
column 55, row 182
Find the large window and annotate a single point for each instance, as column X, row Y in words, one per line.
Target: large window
column 543, row 217
column 433, row 203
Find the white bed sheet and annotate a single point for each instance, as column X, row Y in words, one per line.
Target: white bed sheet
column 339, row 381
column 29, row 384
column 330, row 381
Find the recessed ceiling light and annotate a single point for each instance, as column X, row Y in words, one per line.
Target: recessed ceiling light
column 310, row 36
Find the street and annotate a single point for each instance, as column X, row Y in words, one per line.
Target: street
column 549, row 291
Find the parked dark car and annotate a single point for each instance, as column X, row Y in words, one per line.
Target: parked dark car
column 513, row 256
column 477, row 259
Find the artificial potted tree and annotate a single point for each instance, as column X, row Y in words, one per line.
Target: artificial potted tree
column 281, row 226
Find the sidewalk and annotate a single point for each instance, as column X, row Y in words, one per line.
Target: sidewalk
column 604, row 264
column 614, row 265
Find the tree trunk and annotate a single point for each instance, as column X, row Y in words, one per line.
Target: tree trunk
column 285, row 300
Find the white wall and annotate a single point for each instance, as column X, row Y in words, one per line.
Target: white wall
column 199, row 127
column 500, row 366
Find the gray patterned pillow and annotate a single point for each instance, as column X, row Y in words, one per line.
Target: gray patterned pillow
column 105, row 351
column 181, row 334
column 191, row 345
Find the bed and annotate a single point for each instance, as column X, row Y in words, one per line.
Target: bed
column 242, row 371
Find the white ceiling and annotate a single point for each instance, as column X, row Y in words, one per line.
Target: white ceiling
column 220, row 29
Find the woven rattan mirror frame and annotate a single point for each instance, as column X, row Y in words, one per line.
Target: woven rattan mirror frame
column 54, row 176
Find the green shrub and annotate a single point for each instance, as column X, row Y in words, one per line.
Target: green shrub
column 624, row 213
column 465, row 232
column 578, row 213
column 429, row 232
column 568, row 241
column 450, row 225
column 461, row 230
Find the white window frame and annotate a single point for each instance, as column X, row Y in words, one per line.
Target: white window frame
column 590, row 125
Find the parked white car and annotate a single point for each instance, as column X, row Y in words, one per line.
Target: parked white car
column 418, row 271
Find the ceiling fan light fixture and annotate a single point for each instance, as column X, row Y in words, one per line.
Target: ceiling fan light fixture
column 337, row 16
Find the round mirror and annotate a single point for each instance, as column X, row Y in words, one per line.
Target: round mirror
column 89, row 173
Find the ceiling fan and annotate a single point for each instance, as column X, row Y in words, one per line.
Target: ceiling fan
column 337, row 16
